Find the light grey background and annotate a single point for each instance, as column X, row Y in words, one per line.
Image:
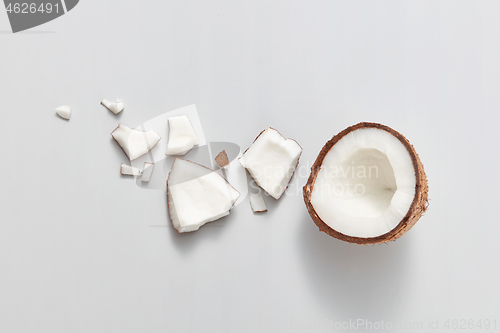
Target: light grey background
column 77, row 253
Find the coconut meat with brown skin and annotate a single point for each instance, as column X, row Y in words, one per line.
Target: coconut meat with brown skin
column 129, row 170
column 257, row 203
column 271, row 161
column 181, row 136
column 197, row 195
column 366, row 184
column 135, row 143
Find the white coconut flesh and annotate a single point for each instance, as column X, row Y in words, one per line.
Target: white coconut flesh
column 197, row 195
column 147, row 171
column 181, row 136
column 366, row 184
column 64, row 111
column 129, row 170
column 271, row 161
column 135, row 143
column 115, row 107
column 257, row 203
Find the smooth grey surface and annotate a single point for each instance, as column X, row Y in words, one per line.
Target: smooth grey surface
column 77, row 253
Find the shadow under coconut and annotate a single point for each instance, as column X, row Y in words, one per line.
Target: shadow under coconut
column 354, row 281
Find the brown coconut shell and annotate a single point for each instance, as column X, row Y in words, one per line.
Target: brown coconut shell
column 222, row 160
column 418, row 206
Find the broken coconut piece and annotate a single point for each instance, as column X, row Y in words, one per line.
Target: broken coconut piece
column 116, row 107
column 64, row 111
column 257, row 203
column 197, row 195
column 367, row 185
column 181, row 136
column 271, row 160
column 129, row 170
column 222, row 160
column 135, row 143
column 147, row 171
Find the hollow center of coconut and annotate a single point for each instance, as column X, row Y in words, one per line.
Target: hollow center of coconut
column 366, row 184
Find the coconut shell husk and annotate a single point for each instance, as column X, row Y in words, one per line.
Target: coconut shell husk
column 417, row 208
column 221, row 159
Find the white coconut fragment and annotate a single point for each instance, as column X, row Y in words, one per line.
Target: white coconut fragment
column 257, row 203
column 115, row 107
column 147, row 171
column 181, row 136
column 129, row 170
column 64, row 111
column 135, row 143
column 271, row 160
column 197, row 195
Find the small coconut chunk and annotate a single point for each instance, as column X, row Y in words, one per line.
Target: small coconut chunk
column 181, row 136
column 271, row 160
column 147, row 171
column 197, row 195
column 222, row 160
column 135, row 143
column 116, row 107
column 129, row 170
column 257, row 203
column 64, row 111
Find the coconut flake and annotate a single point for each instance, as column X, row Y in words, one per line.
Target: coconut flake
column 147, row 171
column 129, row 170
column 116, row 107
column 257, row 203
column 181, row 136
column 64, row 111
column 135, row 143
column 271, row 160
column 197, row 195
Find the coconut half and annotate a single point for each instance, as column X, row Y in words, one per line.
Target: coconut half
column 181, row 136
column 197, row 195
column 271, row 160
column 135, row 143
column 367, row 185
